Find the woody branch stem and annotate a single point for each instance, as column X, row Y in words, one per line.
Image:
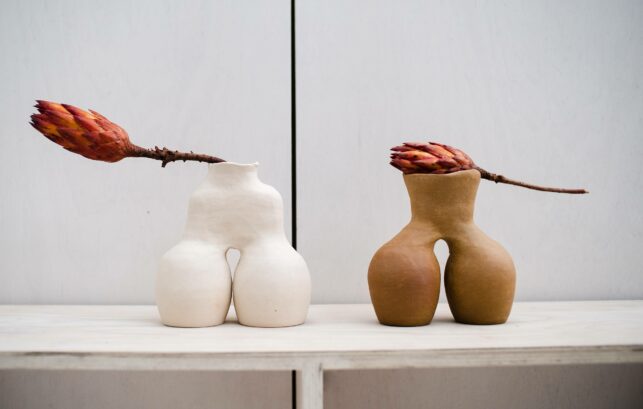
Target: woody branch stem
column 501, row 179
column 166, row 155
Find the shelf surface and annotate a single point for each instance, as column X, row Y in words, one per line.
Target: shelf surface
column 334, row 337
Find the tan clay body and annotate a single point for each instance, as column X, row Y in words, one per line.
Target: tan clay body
column 404, row 276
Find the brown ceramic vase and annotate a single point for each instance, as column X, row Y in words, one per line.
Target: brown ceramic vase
column 404, row 275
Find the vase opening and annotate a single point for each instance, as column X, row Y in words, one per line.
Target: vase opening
column 231, row 172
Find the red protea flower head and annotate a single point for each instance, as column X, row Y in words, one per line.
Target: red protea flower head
column 429, row 157
column 86, row 133
column 95, row 137
column 436, row 158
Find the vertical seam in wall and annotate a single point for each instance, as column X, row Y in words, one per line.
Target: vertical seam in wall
column 293, row 162
column 293, row 126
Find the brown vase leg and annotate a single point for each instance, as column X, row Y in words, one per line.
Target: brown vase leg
column 480, row 279
column 404, row 282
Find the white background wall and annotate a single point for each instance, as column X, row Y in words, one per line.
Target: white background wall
column 548, row 92
column 210, row 76
column 544, row 91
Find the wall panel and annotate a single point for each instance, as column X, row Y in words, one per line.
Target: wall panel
column 548, row 92
column 208, row 76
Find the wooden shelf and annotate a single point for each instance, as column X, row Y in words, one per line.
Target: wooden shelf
column 335, row 337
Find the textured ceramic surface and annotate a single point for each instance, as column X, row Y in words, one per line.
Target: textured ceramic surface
column 233, row 209
column 404, row 275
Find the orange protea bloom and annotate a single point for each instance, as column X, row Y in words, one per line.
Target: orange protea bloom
column 436, row 158
column 429, row 157
column 86, row 133
column 95, row 137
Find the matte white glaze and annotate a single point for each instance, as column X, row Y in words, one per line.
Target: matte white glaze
column 232, row 208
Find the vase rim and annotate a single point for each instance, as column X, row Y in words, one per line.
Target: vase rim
column 234, row 164
column 444, row 175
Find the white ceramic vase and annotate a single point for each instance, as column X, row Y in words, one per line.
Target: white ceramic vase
column 232, row 208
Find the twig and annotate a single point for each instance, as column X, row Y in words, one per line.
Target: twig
column 166, row 156
column 501, row 179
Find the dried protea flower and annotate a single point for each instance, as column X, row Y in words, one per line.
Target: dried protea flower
column 436, row 158
column 95, row 137
column 85, row 133
column 429, row 157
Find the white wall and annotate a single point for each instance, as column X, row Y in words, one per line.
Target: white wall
column 547, row 92
column 544, row 91
column 213, row 77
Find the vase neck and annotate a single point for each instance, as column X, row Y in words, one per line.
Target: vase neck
column 443, row 200
column 232, row 174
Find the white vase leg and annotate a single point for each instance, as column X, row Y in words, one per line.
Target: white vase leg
column 194, row 285
column 271, row 286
